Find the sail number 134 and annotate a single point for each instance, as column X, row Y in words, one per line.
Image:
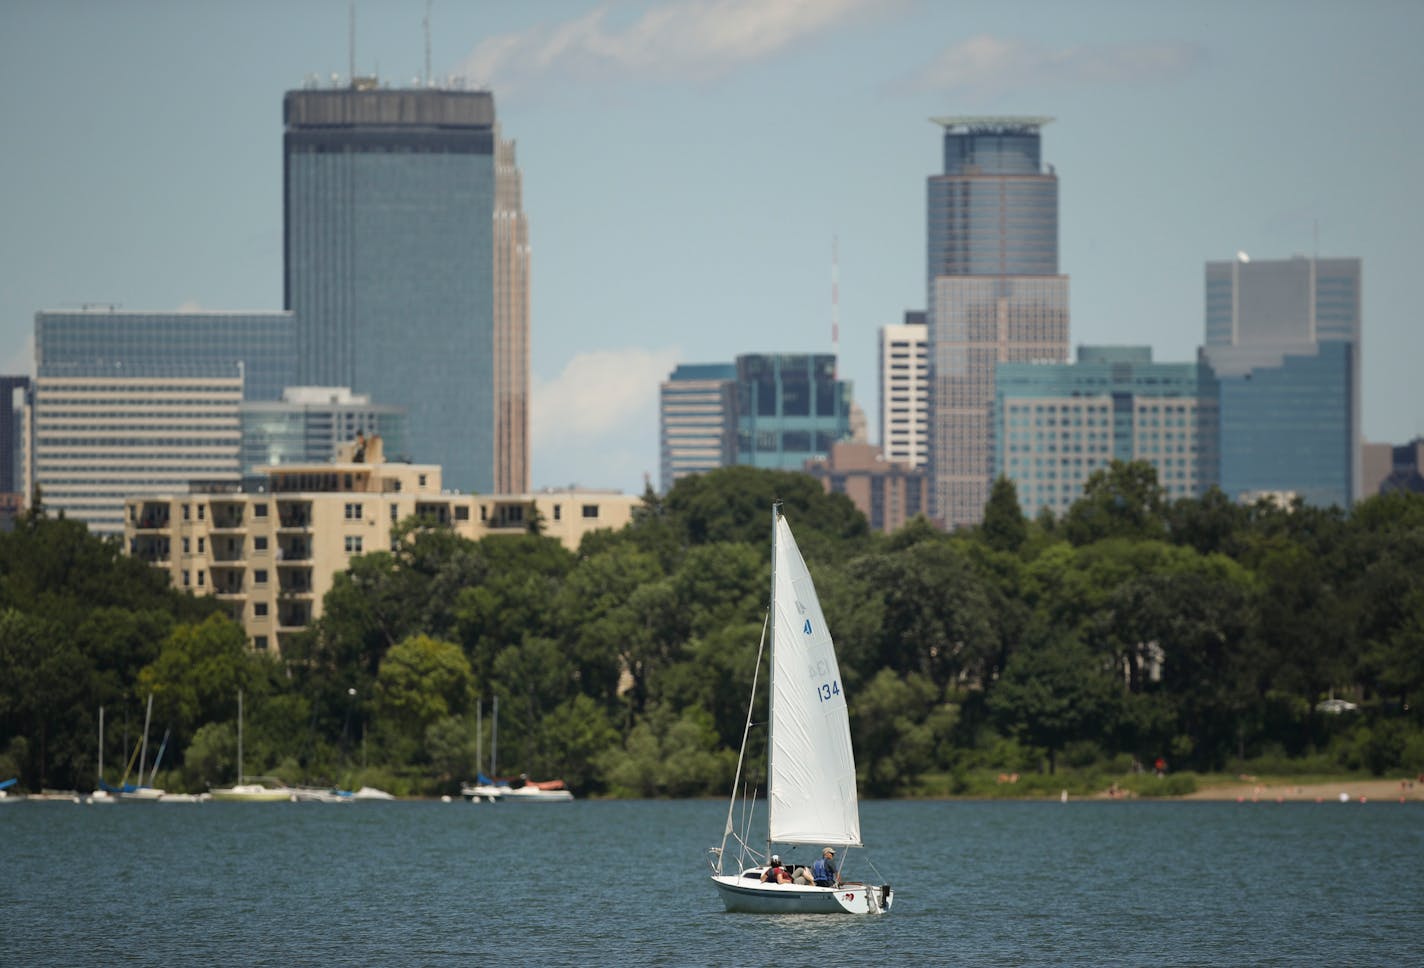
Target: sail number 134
column 828, row 689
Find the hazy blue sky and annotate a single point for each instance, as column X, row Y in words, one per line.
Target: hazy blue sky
column 688, row 163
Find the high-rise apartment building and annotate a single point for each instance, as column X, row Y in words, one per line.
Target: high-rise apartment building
column 407, row 262
column 790, row 408
column 1283, row 338
column 904, row 391
column 271, row 556
column 889, row 493
column 697, row 420
column 1055, row 424
column 994, row 291
column 130, row 403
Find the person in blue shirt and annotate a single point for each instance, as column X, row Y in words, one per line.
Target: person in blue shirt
column 824, row 872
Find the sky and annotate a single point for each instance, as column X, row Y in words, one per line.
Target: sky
column 690, row 166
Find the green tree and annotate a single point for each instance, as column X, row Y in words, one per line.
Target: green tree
column 1053, row 694
column 1004, row 527
column 423, row 680
column 1123, row 500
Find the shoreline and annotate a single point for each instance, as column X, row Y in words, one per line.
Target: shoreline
column 1357, row 791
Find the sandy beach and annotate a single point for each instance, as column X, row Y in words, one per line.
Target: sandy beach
column 1264, row 791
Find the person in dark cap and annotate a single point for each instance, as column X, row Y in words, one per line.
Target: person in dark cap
column 775, row 873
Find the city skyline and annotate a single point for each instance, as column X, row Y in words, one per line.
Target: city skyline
column 687, row 166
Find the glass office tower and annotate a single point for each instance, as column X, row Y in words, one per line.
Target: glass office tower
column 790, row 408
column 994, row 293
column 1055, row 424
column 1283, row 338
column 129, row 403
column 406, row 266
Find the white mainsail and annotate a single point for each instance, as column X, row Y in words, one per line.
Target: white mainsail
column 812, row 798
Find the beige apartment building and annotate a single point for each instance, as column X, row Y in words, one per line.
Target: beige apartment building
column 271, row 556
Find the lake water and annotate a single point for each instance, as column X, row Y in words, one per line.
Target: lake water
column 625, row 883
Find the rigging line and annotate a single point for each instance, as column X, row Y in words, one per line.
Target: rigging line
column 741, row 756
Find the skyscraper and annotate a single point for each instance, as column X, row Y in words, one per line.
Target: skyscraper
column 994, row 291
column 132, row 403
column 407, row 264
column 790, row 408
column 904, row 391
column 697, row 417
column 1283, row 337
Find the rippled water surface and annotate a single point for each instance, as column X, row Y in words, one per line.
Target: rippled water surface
column 614, row 883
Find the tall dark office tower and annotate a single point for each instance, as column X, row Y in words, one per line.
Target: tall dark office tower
column 1283, row 338
column 994, row 294
column 407, row 268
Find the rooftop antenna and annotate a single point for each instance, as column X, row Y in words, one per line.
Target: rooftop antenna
column 351, row 44
column 835, row 305
column 427, row 43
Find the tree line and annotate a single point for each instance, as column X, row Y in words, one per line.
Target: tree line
column 1199, row 631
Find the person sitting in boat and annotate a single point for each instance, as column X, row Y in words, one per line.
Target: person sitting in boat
column 824, row 872
column 775, row 873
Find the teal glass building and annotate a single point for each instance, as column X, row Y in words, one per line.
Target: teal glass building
column 390, row 244
column 1058, row 423
column 790, row 408
column 1283, row 338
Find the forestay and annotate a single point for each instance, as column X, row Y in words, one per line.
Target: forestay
column 812, row 798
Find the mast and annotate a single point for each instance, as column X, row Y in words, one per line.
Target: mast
column 771, row 677
column 494, row 736
column 101, row 748
column 239, row 736
column 143, row 755
column 479, row 738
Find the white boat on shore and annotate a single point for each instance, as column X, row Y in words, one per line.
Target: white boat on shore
column 272, row 791
column 252, row 793
column 371, row 793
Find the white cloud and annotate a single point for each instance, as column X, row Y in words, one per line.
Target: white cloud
column 590, row 421
column 698, row 38
column 986, row 66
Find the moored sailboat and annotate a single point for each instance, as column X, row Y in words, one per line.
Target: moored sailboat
column 811, row 785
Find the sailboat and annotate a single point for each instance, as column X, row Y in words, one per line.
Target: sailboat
column 140, row 792
column 242, row 790
column 518, row 790
column 811, row 788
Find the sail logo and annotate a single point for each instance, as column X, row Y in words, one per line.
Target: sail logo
column 807, row 627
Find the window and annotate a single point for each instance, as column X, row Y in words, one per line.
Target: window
column 259, row 510
column 462, row 512
column 202, row 510
column 200, row 578
column 259, row 642
column 259, row 609
column 185, row 577
column 395, row 513
column 353, row 544
column 185, row 512
column 185, row 546
column 353, row 512
column 421, row 480
column 590, row 511
column 259, row 542
column 201, row 542
column 558, row 512
column 259, row 576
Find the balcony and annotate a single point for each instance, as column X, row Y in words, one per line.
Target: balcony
column 227, row 550
column 294, row 515
column 293, row 549
column 152, row 516
column 294, row 582
column 151, row 549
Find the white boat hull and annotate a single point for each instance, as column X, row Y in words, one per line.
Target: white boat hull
column 251, row 793
column 749, row 895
